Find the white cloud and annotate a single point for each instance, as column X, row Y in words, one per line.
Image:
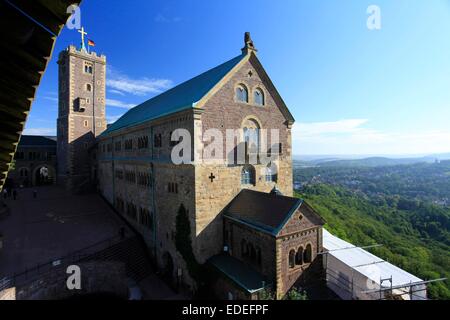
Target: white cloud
column 51, row 99
column 165, row 19
column 120, row 82
column 112, row 119
column 352, row 136
column 120, row 93
column 119, row 104
column 40, row 131
column 320, row 128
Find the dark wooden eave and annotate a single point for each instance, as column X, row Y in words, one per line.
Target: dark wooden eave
column 26, row 47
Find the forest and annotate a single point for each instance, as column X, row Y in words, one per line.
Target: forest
column 405, row 208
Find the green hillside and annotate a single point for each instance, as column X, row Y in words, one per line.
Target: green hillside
column 414, row 238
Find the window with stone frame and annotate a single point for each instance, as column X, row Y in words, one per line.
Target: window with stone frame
column 119, row 174
column 23, row 172
column 258, row 97
column 299, row 256
column 131, row 211
column 118, row 146
column 172, row 187
column 248, row 175
column 143, row 142
column 145, row 218
column 129, row 144
column 88, row 67
column 242, row 93
column 157, row 140
column 244, row 252
column 144, row 179
column 307, row 254
column 130, row 176
column 292, row 258
column 271, row 173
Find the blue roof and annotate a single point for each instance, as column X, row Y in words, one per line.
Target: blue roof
column 243, row 275
column 181, row 97
column 264, row 211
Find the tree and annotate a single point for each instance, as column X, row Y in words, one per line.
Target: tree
column 295, row 294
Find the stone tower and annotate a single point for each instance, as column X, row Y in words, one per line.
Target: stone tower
column 81, row 113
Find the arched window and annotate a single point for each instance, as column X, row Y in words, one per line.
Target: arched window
column 251, row 139
column 88, row 87
column 271, row 173
column 241, row 93
column 307, row 254
column 258, row 97
column 244, row 247
column 248, row 175
column 299, row 256
column 23, row 172
column 252, row 253
column 291, row 258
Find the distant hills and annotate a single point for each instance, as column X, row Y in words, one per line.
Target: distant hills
column 345, row 161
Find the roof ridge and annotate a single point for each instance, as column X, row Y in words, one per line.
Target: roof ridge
column 182, row 96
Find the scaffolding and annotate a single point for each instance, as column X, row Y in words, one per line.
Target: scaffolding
column 347, row 279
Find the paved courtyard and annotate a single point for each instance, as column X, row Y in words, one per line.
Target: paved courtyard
column 55, row 224
column 52, row 225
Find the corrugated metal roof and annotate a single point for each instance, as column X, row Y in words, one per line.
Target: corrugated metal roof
column 353, row 257
column 181, row 97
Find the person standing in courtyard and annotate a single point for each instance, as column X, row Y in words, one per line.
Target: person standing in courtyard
column 14, row 194
column 34, row 194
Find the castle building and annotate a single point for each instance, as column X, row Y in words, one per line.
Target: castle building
column 239, row 219
column 242, row 218
column 34, row 162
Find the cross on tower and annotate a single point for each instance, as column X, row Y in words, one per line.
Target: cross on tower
column 212, row 177
column 83, row 33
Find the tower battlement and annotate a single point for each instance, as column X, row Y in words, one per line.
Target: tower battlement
column 81, row 112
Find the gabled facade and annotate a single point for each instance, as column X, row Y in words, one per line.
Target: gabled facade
column 137, row 175
column 276, row 236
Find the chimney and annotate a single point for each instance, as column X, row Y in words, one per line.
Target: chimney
column 248, row 45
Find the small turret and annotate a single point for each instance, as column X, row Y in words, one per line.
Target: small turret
column 248, row 44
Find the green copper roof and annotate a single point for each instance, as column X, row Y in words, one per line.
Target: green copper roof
column 181, row 97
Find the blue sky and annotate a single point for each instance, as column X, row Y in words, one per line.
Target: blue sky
column 351, row 90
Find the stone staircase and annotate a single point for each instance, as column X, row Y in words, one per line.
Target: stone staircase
column 131, row 252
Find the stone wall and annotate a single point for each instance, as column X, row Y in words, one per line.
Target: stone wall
column 204, row 189
column 170, row 185
column 262, row 242
column 96, row 277
column 31, row 163
column 222, row 112
column 81, row 116
column 300, row 231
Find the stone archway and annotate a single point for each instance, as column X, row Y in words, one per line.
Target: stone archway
column 43, row 175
